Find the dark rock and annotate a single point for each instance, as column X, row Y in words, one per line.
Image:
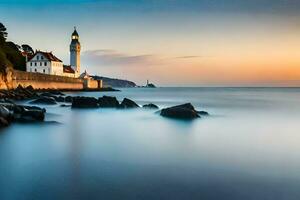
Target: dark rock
column 3, row 122
column 56, row 92
column 65, row 105
column 127, row 103
column 47, row 94
column 29, row 113
column 4, row 112
column 31, row 116
column 44, row 100
column 203, row 113
column 30, row 88
column 150, row 106
column 34, row 108
column 20, row 87
column 7, row 113
column 6, row 101
column 108, row 102
column 69, row 99
column 22, row 93
column 85, row 102
column 59, row 98
column 12, row 112
column 17, row 109
column 184, row 111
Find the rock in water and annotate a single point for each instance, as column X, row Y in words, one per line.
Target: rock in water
column 150, row 106
column 46, row 94
column 85, row 102
column 3, row 122
column 32, row 116
column 44, row 100
column 69, row 99
column 4, row 112
column 203, row 113
column 29, row 113
column 127, row 103
column 184, row 111
column 65, row 105
column 57, row 92
column 108, row 102
column 34, row 108
column 59, row 98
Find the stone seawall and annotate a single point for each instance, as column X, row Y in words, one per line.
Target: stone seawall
column 12, row 78
column 45, row 81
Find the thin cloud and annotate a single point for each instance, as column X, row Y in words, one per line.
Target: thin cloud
column 111, row 57
column 188, row 57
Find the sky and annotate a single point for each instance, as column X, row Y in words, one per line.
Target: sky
column 169, row 42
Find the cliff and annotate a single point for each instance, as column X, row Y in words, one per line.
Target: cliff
column 112, row 82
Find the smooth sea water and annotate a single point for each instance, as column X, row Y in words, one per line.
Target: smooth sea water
column 248, row 148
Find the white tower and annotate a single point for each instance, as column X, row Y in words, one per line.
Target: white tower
column 75, row 52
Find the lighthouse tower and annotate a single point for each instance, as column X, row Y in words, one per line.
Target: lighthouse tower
column 75, row 52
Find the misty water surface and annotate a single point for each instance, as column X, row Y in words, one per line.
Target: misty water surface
column 248, row 148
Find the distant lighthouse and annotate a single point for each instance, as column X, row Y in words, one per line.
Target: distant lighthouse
column 75, row 48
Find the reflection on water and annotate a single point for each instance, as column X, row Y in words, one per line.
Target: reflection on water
column 249, row 148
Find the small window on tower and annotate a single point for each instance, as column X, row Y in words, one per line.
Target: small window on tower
column 45, row 63
column 37, row 57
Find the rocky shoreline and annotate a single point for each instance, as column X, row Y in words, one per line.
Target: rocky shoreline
column 21, row 93
column 11, row 112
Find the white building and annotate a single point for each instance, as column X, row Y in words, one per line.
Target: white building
column 47, row 63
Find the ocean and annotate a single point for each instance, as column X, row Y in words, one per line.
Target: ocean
column 248, row 148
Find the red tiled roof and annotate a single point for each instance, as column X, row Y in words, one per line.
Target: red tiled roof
column 47, row 55
column 68, row 69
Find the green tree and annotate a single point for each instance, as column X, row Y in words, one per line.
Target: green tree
column 14, row 55
column 26, row 48
column 10, row 54
column 3, row 33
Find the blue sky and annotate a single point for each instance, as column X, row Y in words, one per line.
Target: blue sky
column 214, row 42
column 220, row 5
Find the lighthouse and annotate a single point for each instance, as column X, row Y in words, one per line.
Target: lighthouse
column 75, row 48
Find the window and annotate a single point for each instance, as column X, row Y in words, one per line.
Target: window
column 35, row 64
column 35, row 70
column 40, row 63
column 44, row 71
column 37, row 57
column 45, row 63
column 42, row 57
column 31, row 64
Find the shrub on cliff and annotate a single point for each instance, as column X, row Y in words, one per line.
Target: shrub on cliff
column 10, row 53
column 4, row 62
